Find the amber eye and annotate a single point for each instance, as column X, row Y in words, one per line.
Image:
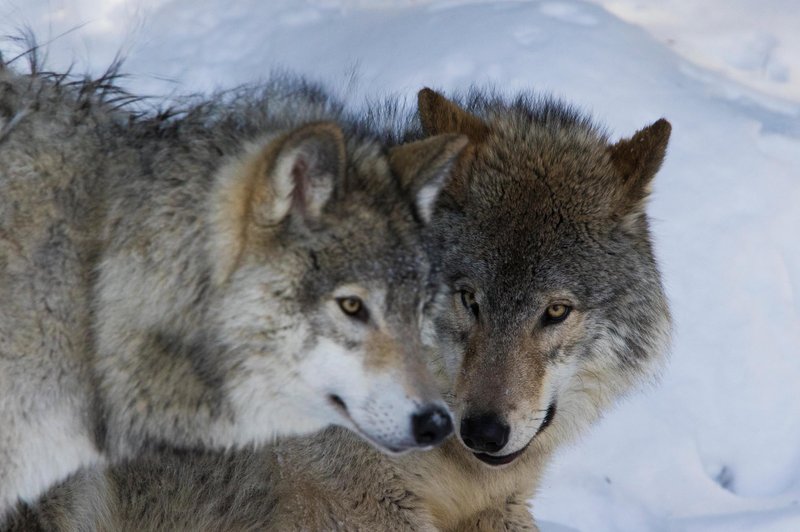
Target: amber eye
column 353, row 307
column 556, row 313
column 470, row 302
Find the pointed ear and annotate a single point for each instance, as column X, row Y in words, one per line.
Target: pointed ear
column 637, row 160
column 424, row 166
column 439, row 115
column 294, row 174
column 305, row 168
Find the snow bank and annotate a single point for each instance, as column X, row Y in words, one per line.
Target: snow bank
column 753, row 43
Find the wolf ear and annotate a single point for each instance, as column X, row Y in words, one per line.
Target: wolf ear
column 294, row 174
column 637, row 160
column 423, row 167
column 439, row 115
column 303, row 172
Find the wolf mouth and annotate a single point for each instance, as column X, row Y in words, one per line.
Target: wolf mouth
column 339, row 405
column 508, row 458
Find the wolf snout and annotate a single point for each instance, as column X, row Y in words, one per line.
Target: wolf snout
column 485, row 433
column 431, row 425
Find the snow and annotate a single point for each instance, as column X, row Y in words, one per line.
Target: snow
column 753, row 43
column 716, row 445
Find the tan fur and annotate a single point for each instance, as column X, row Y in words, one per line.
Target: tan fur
column 243, row 193
column 233, row 205
column 415, row 158
column 439, row 115
column 381, row 349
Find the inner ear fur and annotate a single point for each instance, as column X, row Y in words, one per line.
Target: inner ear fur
column 439, row 115
column 637, row 160
column 293, row 174
column 424, row 166
column 304, row 170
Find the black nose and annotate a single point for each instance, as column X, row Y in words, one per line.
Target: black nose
column 431, row 425
column 485, row 433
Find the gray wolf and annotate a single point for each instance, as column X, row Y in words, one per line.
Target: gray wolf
column 554, row 310
column 249, row 268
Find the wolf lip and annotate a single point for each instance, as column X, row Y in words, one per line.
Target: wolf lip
column 507, row 459
column 499, row 460
column 338, row 403
column 548, row 418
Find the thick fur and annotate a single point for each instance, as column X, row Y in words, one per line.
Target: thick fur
column 541, row 209
column 180, row 280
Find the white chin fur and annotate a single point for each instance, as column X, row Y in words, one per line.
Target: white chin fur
column 378, row 406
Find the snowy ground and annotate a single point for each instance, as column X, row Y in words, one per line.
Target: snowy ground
column 717, row 445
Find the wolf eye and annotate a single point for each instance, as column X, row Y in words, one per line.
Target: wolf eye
column 353, row 307
column 556, row 313
column 469, row 302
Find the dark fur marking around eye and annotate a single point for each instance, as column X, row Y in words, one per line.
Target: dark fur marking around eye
column 470, row 303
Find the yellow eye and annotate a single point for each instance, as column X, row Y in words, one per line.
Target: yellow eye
column 556, row 313
column 353, row 306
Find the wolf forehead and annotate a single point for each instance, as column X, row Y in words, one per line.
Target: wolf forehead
column 369, row 233
column 549, row 159
column 539, row 205
column 371, row 249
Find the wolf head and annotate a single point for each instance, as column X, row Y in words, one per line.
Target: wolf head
column 556, row 305
column 321, row 280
